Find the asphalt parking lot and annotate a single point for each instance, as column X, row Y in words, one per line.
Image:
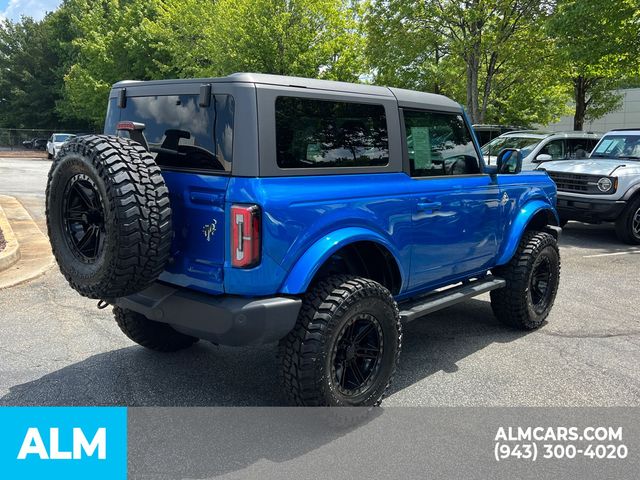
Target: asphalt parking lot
column 57, row 348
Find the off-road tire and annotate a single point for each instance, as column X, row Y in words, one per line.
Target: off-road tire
column 306, row 354
column 49, row 156
column 150, row 334
column 624, row 224
column 134, row 201
column 513, row 305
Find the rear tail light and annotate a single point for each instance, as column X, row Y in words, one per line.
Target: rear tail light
column 245, row 236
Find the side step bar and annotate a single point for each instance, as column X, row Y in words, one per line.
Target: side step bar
column 421, row 306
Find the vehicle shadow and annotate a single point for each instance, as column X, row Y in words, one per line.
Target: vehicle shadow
column 593, row 237
column 206, row 375
column 167, row 443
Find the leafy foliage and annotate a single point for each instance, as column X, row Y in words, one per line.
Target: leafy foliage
column 515, row 62
column 490, row 54
column 598, row 44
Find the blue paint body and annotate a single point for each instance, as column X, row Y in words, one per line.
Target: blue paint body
column 439, row 230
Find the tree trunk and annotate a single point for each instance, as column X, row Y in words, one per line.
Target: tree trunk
column 473, row 106
column 473, row 71
column 580, row 94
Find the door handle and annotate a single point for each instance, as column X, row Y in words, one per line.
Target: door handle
column 429, row 206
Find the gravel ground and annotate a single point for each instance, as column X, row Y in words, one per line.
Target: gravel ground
column 3, row 243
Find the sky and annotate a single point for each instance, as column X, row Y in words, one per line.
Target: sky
column 13, row 9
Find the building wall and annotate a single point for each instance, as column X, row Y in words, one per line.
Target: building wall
column 628, row 116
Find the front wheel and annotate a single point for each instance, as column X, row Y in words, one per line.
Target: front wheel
column 345, row 346
column 628, row 225
column 532, row 276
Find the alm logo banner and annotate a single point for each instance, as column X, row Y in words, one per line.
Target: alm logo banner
column 63, row 442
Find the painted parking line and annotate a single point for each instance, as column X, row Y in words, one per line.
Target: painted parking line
column 611, row 254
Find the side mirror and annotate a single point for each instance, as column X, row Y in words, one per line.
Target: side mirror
column 543, row 157
column 509, row 161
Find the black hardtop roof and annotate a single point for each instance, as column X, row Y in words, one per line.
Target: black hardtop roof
column 405, row 97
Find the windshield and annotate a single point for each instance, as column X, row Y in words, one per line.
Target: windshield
column 618, row 146
column 62, row 137
column 525, row 144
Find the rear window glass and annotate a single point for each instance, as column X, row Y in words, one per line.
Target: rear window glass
column 321, row 134
column 181, row 134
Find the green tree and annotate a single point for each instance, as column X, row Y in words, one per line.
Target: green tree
column 489, row 54
column 598, row 44
column 110, row 44
column 312, row 38
column 30, row 83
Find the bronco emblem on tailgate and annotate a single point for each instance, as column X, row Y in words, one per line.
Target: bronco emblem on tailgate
column 209, row 230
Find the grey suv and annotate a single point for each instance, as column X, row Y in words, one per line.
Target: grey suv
column 605, row 187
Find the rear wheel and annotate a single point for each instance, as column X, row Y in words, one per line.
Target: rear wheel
column 532, row 276
column 628, row 225
column 345, row 346
column 153, row 335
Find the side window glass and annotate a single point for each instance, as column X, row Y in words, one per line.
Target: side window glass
column 328, row 134
column 555, row 149
column 439, row 144
column 578, row 148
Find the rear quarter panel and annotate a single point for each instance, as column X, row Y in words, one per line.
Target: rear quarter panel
column 299, row 211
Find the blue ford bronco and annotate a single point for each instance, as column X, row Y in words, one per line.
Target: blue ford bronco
column 321, row 215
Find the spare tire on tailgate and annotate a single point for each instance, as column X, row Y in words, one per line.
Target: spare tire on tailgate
column 108, row 216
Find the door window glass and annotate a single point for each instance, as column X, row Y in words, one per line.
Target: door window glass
column 439, row 144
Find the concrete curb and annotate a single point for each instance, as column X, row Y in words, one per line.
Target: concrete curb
column 11, row 252
column 35, row 250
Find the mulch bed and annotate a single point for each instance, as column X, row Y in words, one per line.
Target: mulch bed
column 3, row 243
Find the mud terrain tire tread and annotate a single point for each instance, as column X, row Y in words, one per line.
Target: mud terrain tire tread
column 510, row 304
column 137, row 216
column 302, row 353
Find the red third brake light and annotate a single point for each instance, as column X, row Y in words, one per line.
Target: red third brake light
column 245, row 235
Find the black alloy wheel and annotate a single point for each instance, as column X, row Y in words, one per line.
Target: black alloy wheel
column 84, row 218
column 357, row 355
column 539, row 285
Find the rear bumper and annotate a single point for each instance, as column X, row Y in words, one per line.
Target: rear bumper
column 224, row 320
column 589, row 210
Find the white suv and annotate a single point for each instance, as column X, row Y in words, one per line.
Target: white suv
column 55, row 142
column 538, row 147
column 604, row 187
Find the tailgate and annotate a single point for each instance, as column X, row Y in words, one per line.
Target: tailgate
column 198, row 248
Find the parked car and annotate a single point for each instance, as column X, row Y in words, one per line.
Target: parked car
column 538, row 147
column 256, row 208
column 55, row 142
column 485, row 133
column 605, row 187
column 35, row 144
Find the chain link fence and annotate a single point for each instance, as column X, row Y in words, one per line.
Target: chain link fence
column 16, row 139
